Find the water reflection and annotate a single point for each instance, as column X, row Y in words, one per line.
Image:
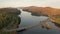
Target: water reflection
column 35, row 13
column 19, row 21
column 58, row 25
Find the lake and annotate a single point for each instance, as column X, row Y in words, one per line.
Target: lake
column 29, row 20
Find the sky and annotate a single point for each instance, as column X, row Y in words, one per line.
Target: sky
column 24, row 3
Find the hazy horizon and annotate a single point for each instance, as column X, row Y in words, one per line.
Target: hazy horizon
column 24, row 3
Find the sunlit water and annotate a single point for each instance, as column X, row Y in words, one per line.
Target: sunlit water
column 28, row 20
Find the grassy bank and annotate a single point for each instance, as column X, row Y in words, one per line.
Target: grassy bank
column 9, row 19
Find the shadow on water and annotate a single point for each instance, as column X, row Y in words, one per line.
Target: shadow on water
column 35, row 14
column 57, row 25
column 19, row 21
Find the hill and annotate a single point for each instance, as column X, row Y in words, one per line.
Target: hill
column 52, row 13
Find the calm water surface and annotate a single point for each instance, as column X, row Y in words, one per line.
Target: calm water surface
column 28, row 20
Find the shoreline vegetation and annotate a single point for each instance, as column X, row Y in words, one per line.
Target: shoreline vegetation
column 52, row 13
column 9, row 19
